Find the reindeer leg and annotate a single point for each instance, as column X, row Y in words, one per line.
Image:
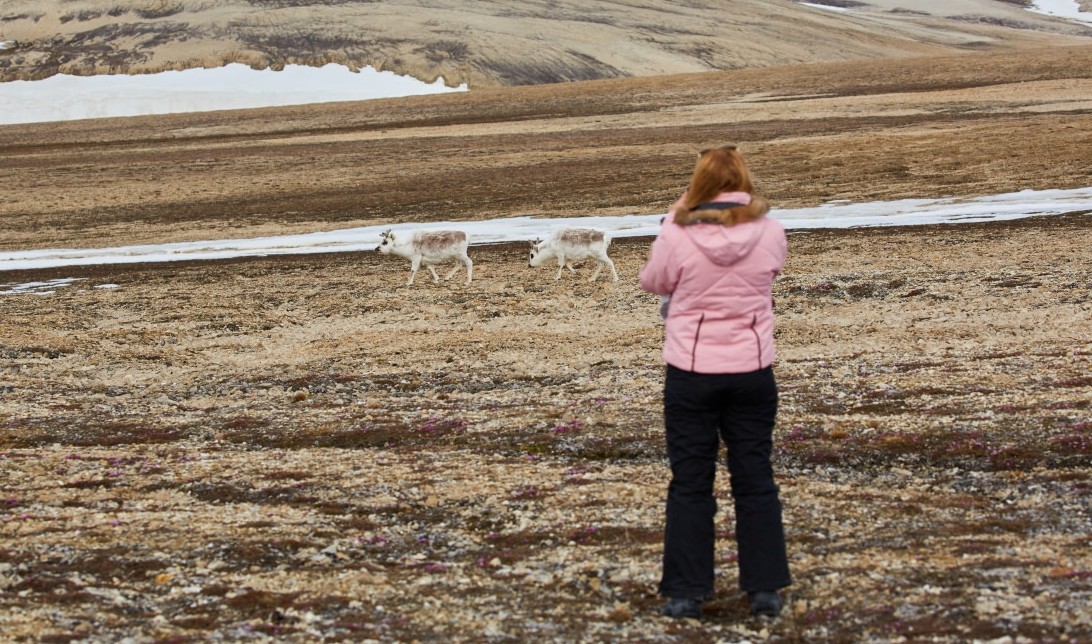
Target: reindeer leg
column 612, row 269
column 452, row 272
column 469, row 270
column 560, row 265
column 435, row 277
column 415, row 265
column 595, row 273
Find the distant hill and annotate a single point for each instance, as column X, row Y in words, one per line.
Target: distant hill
column 492, row 43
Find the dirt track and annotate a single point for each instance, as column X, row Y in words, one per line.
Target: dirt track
column 304, row 447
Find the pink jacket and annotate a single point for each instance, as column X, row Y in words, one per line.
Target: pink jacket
column 720, row 279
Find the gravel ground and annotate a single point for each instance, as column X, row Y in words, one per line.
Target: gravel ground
column 304, row 448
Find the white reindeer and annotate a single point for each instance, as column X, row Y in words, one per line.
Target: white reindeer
column 428, row 248
column 571, row 245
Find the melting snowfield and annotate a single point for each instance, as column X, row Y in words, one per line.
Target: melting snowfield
column 64, row 97
column 1062, row 8
column 905, row 212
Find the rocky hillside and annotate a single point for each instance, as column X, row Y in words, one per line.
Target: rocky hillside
column 501, row 43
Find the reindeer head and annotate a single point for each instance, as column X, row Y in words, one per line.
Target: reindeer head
column 536, row 250
column 386, row 241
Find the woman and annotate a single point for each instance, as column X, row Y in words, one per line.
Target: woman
column 716, row 258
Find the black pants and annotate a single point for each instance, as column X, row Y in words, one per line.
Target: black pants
column 699, row 411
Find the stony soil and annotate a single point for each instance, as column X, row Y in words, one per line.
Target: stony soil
column 305, row 448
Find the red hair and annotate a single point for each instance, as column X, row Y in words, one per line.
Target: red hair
column 720, row 170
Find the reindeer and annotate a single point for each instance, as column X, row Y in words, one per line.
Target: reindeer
column 428, row 248
column 571, row 245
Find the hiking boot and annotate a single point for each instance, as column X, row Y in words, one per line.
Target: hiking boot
column 682, row 607
column 765, row 603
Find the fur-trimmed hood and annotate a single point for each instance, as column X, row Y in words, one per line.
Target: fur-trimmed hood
column 732, row 212
column 733, row 224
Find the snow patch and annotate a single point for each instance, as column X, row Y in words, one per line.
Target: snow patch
column 38, row 288
column 822, row 6
column 63, row 97
column 906, row 212
column 1061, row 8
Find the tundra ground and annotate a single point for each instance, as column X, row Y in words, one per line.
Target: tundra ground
column 304, row 448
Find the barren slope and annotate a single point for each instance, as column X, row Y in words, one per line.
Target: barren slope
column 501, row 43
